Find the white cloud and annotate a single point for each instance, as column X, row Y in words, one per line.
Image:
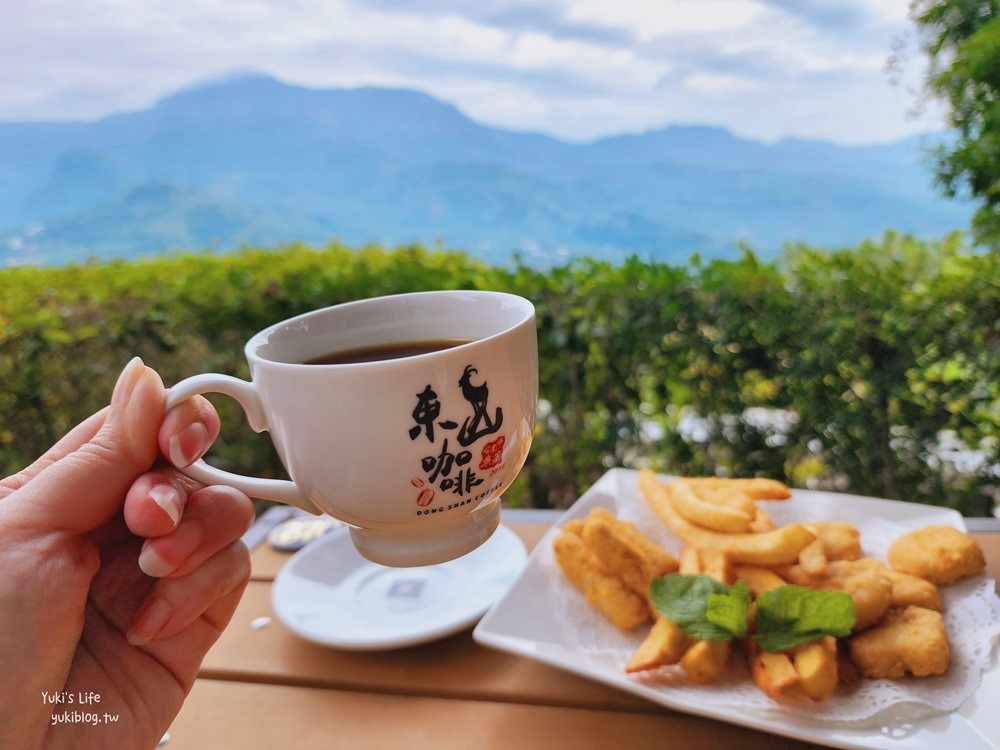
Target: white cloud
column 650, row 19
column 716, row 83
column 581, row 69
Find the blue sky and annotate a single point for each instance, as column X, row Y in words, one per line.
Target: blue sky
column 576, row 69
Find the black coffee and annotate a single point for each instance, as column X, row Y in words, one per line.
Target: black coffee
column 383, row 352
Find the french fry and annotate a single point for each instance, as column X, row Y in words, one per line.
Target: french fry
column 704, row 661
column 773, row 673
column 729, row 497
column 729, row 494
column 622, row 606
column 756, row 489
column 795, row 575
column 815, row 663
column 709, row 562
column 705, row 514
column 762, row 523
column 690, row 562
column 758, row 579
column 812, row 558
column 665, row 644
column 782, row 545
column 716, row 563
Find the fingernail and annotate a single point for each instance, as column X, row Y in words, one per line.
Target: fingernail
column 169, row 499
column 188, row 445
column 149, row 621
column 152, row 564
column 127, row 382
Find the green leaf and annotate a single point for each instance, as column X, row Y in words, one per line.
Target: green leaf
column 789, row 615
column 729, row 611
column 684, row 600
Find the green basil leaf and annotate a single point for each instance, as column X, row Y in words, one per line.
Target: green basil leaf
column 789, row 615
column 730, row 611
column 683, row 599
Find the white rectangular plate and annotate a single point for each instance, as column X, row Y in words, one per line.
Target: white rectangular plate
column 522, row 622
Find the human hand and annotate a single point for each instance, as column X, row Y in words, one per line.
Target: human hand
column 117, row 573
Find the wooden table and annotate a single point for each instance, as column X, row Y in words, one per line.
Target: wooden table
column 264, row 687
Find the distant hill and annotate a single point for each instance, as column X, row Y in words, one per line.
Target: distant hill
column 254, row 161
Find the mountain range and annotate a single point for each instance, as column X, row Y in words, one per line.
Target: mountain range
column 254, row 161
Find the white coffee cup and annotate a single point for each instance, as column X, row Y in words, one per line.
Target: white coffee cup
column 413, row 452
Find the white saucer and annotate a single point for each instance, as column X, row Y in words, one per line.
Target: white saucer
column 329, row 594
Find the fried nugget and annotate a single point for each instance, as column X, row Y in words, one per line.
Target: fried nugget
column 623, row 554
column 623, row 607
column 870, row 590
column 910, row 640
column 907, row 589
column 658, row 559
column 939, row 554
column 834, row 541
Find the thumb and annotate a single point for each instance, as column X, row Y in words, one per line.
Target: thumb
column 86, row 487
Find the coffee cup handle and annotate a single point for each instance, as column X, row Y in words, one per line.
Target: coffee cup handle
column 278, row 490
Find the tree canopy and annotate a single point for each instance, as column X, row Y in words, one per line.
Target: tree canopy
column 962, row 39
column 870, row 370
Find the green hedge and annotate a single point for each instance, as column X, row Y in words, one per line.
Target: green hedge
column 858, row 370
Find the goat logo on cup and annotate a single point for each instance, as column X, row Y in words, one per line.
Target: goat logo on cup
column 451, row 469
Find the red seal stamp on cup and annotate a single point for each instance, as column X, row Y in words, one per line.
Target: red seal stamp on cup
column 492, row 454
